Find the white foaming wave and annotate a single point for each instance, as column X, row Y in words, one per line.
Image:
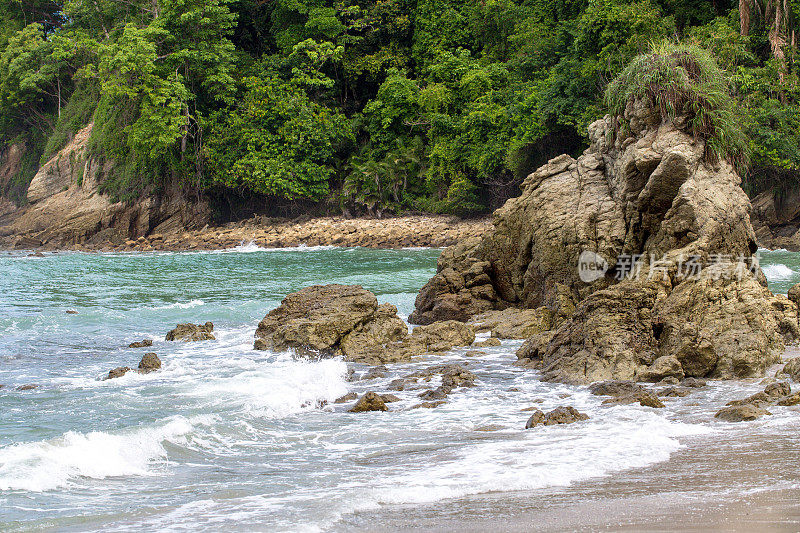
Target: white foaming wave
column 251, row 247
column 47, row 465
column 777, row 272
column 277, row 389
column 546, row 457
column 181, row 305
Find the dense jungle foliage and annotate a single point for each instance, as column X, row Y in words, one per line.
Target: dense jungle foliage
column 373, row 106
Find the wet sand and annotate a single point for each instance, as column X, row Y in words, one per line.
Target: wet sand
column 744, row 478
column 754, row 489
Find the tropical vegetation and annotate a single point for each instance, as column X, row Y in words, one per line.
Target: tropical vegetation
column 383, row 106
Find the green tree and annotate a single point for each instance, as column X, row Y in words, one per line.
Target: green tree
column 276, row 141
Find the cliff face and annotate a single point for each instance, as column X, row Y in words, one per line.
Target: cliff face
column 647, row 197
column 65, row 206
column 776, row 219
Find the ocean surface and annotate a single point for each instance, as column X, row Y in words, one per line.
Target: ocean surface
column 225, row 437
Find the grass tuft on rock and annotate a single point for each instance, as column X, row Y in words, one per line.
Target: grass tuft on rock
column 684, row 80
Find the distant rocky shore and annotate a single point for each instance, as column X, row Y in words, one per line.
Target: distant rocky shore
column 407, row 231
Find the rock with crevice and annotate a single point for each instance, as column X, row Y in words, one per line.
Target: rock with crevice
column 693, row 305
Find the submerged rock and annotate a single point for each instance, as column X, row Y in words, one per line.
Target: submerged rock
column 616, row 388
column 118, row 372
column 192, row 332
column 675, row 392
column 625, row 392
column 791, row 369
column 776, row 393
column 643, row 398
column 428, row 405
column 149, row 363
column 369, row 402
column 669, row 291
column 349, row 397
column 559, row 415
column 741, row 413
column 27, row 387
column 693, row 383
column 389, row 398
column 146, row 343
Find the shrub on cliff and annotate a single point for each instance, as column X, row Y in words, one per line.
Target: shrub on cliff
column 685, row 81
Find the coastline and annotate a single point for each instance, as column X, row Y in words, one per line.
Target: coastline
column 701, row 487
column 423, row 231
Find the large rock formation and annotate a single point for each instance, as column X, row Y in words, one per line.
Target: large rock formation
column 679, row 296
column 776, row 219
column 66, row 204
column 328, row 320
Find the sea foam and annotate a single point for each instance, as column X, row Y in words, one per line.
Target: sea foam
column 778, row 272
column 47, row 465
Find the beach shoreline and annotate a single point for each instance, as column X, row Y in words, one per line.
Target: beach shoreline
column 423, row 231
column 697, row 489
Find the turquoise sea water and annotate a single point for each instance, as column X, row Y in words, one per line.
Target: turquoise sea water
column 227, row 437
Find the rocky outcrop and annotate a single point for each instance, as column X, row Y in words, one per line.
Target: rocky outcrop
column 328, row 320
column 192, row 333
column 316, row 320
column 662, row 234
column 66, row 205
column 778, row 393
column 776, row 219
